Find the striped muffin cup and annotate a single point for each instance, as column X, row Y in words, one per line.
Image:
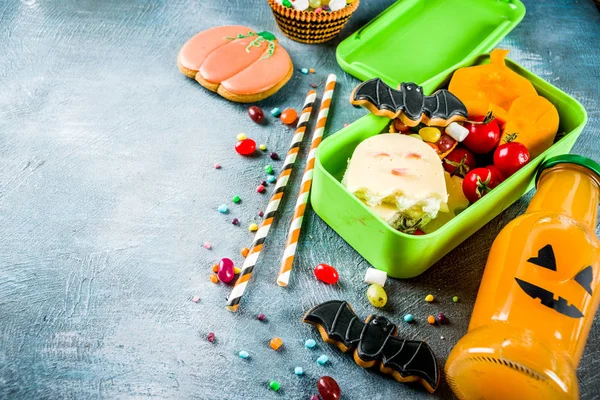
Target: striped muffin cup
column 311, row 27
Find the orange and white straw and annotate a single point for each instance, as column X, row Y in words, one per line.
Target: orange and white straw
column 287, row 262
column 233, row 302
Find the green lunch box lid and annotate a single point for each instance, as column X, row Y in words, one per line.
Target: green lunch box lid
column 569, row 159
column 415, row 40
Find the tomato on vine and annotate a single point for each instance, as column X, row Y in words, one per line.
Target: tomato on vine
column 459, row 162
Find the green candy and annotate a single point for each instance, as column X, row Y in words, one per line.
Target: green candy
column 286, row 3
column 268, row 35
column 269, row 169
column 236, row 199
column 274, row 384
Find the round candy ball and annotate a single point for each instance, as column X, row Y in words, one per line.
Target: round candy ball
column 376, row 295
column 326, row 273
column 256, row 114
column 288, row 116
column 245, row 147
column 328, row 388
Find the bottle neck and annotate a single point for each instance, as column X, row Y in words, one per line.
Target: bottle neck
column 570, row 190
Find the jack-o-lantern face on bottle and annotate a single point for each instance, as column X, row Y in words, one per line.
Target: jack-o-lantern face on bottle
column 546, row 259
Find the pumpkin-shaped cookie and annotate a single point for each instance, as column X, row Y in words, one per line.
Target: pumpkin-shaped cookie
column 236, row 62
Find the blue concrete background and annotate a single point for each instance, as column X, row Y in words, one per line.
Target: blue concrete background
column 107, row 193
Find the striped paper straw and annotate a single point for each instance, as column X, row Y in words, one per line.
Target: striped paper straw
column 287, row 262
column 246, row 272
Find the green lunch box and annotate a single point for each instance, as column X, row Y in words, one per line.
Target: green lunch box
column 425, row 41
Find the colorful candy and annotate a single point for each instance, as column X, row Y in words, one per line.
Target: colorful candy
column 375, row 276
column 445, row 143
column 274, row 156
column 262, row 146
column 326, row 273
column 215, row 268
column 253, row 228
column 261, row 317
column 274, row 385
column 235, row 221
column 276, row 343
column 225, row 271
column 268, row 169
column 376, row 295
column 430, row 134
column 276, row 112
column 217, row 166
column 243, row 354
column 245, row 252
column 299, row 371
column 314, row 3
column 300, row 5
column 336, row 5
column 210, row 337
column 264, row 183
column 241, row 136
column 442, row 319
column 261, row 213
column 408, row 318
column 196, row 299
column 429, row 298
column 431, row 320
column 245, row 147
column 236, row 199
column 286, row 3
column 236, row 270
column 288, row 116
column 312, row 70
column 207, row 245
column 256, row 114
column 214, row 278
column 310, row 343
column 328, row 388
column 271, row 178
column 455, row 299
column 260, row 189
column 223, row 209
column 322, row 360
column 304, row 71
column 456, row 131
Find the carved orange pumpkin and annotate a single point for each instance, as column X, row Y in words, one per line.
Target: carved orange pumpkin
column 236, row 62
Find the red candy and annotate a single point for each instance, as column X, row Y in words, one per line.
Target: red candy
column 326, row 273
column 245, row 147
column 329, row 388
column 256, row 114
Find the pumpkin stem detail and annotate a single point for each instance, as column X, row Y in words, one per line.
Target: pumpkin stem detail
column 257, row 41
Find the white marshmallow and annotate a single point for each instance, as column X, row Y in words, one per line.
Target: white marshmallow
column 300, row 5
column 335, row 5
column 457, row 132
column 375, row 276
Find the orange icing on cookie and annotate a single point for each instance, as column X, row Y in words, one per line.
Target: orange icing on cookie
column 262, row 75
column 228, row 60
column 194, row 52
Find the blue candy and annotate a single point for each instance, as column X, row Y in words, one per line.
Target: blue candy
column 310, row 343
column 299, row 371
column 408, row 318
column 276, row 112
column 322, row 360
column 223, row 209
column 243, row 354
column 271, row 178
column 304, row 71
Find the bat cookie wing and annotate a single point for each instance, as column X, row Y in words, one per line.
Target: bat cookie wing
column 337, row 323
column 409, row 103
column 410, row 361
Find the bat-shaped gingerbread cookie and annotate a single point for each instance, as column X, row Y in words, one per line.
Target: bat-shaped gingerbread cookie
column 375, row 343
column 409, row 103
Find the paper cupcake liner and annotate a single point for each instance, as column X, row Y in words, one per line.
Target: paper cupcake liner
column 311, row 27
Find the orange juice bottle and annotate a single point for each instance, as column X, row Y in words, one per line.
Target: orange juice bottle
column 538, row 295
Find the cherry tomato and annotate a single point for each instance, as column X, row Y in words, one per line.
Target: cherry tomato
column 510, row 157
column 445, row 143
column 482, row 138
column 459, row 162
column 478, row 183
column 496, row 173
column 401, row 126
column 418, row 232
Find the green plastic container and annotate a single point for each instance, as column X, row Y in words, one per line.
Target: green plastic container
column 424, row 41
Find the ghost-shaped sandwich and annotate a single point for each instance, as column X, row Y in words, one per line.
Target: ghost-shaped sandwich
column 400, row 178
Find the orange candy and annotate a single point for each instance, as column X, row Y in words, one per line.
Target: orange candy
column 276, row 343
column 215, row 268
column 431, row 319
column 245, row 252
column 214, row 278
column 288, row 116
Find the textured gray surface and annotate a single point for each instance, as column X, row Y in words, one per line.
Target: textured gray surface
column 107, row 193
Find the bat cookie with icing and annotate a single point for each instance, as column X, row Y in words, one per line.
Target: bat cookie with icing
column 375, row 343
column 409, row 103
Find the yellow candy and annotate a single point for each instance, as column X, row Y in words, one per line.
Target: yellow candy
column 253, row 228
column 349, row 1
column 416, row 136
column 314, row 3
column 324, row 2
column 376, row 295
column 241, row 136
column 236, row 270
column 429, row 298
column 262, row 147
column 430, row 134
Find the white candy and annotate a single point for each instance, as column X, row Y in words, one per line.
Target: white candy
column 300, row 5
column 335, row 5
column 457, row 132
column 375, row 276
